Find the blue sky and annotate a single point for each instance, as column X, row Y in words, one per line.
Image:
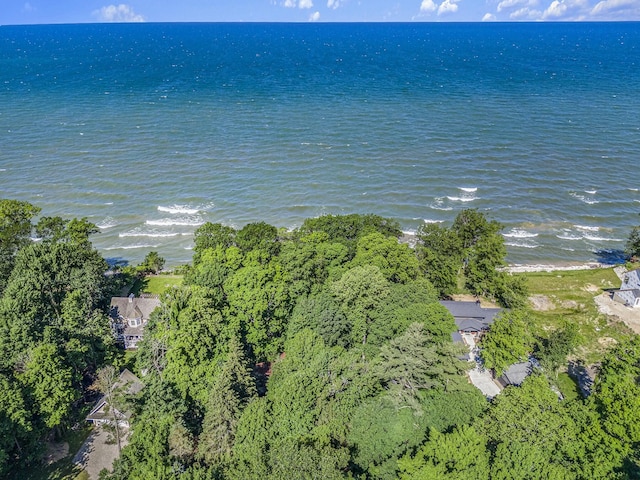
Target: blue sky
column 81, row 11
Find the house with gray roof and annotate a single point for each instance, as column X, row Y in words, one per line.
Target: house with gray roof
column 128, row 317
column 516, row 373
column 629, row 292
column 470, row 317
column 102, row 412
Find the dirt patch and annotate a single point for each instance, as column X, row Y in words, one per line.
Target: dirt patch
column 56, row 451
column 484, row 303
column 541, row 303
column 607, row 341
column 589, row 287
column 629, row 316
column 570, row 304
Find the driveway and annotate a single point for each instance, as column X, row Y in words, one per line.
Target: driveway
column 480, row 378
column 96, row 454
column 608, row 306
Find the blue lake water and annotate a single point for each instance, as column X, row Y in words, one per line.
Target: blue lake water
column 149, row 130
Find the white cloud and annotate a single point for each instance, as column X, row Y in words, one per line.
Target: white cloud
column 566, row 10
column 314, row 17
column 334, row 4
column 305, row 4
column 489, row 17
column 27, row 7
column 428, row 6
column 507, row 4
column 616, row 9
column 448, row 6
column 117, row 13
column 525, row 13
column 289, row 3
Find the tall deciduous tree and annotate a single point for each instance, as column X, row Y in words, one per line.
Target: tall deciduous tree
column 50, row 382
column 440, row 253
column 361, row 291
column 44, row 275
column 459, row 455
column 528, row 429
column 508, row 341
column 396, row 261
column 15, row 230
column 261, row 235
column 152, row 263
column 16, row 427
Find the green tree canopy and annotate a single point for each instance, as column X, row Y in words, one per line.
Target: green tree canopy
column 632, row 247
column 396, row 261
column 360, row 292
column 508, row 341
column 347, row 229
column 15, row 231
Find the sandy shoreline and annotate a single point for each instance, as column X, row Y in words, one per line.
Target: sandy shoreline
column 555, row 268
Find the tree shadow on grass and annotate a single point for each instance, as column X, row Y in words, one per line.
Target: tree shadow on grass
column 139, row 286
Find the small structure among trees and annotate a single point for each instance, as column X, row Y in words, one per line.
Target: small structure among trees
column 108, row 409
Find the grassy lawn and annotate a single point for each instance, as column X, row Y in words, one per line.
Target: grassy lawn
column 568, row 387
column 567, row 296
column 156, row 284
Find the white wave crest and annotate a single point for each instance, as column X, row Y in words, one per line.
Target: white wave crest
column 439, row 204
column 108, row 222
column 130, row 247
column 519, row 233
column 184, row 209
column 468, row 189
column 591, row 192
column 462, row 199
column 596, row 238
column 521, row 245
column 428, row 220
column 169, row 222
column 584, row 199
column 569, row 236
column 147, row 234
column 587, row 228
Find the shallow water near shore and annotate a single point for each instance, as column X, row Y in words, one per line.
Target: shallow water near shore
column 150, row 130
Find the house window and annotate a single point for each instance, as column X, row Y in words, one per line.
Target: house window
column 134, row 322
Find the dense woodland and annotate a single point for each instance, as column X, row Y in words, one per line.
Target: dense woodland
column 319, row 353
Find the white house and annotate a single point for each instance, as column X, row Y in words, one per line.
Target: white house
column 629, row 292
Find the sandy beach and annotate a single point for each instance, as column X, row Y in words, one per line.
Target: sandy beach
column 554, row 268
